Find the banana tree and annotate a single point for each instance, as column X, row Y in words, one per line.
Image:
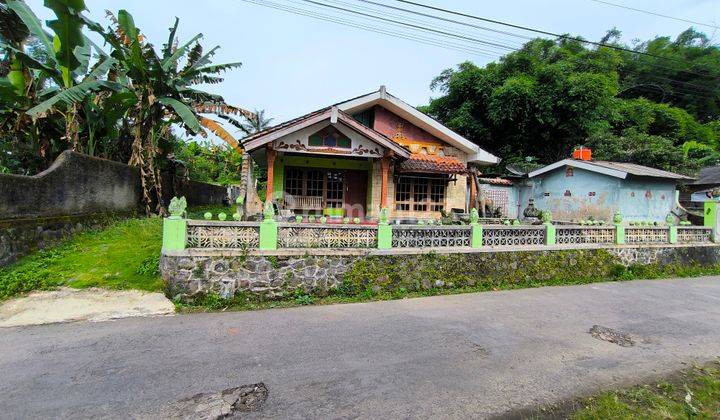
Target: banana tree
column 166, row 94
column 68, row 66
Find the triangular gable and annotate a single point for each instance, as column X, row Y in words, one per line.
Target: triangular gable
column 334, row 116
column 422, row 121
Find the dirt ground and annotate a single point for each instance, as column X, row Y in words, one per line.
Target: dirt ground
column 94, row 305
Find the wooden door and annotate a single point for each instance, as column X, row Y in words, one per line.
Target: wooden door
column 355, row 193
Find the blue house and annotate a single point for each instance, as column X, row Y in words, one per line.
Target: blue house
column 578, row 189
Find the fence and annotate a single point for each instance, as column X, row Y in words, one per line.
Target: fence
column 193, row 234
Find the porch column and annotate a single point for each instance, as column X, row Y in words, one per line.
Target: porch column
column 473, row 190
column 270, row 173
column 384, row 169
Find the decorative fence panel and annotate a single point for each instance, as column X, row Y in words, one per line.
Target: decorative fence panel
column 324, row 236
column 585, row 235
column 647, row 235
column 212, row 234
column 514, row 235
column 694, row 234
column 406, row 236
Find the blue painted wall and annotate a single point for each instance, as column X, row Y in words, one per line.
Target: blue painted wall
column 636, row 198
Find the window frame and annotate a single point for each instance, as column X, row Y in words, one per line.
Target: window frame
column 423, row 190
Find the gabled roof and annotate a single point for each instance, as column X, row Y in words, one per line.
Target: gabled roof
column 331, row 113
column 615, row 169
column 400, row 108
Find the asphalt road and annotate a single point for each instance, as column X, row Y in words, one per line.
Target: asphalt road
column 471, row 355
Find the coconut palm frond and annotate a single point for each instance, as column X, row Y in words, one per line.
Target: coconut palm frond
column 219, row 131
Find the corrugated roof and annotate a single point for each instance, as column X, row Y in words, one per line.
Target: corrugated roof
column 635, row 169
column 709, row 175
column 432, row 164
column 616, row 169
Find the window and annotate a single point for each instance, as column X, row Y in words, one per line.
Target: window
column 294, row 181
column 329, row 137
column 335, row 184
column 420, row 193
column 310, row 182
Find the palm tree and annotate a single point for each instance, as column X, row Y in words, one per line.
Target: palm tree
column 257, row 122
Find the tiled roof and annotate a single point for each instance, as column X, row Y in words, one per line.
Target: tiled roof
column 432, row 164
column 495, row 181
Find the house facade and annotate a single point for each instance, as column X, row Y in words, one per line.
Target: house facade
column 579, row 189
column 375, row 151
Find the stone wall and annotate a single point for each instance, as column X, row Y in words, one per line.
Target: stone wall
column 20, row 236
column 318, row 272
column 76, row 192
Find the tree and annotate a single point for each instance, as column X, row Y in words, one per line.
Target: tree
column 255, row 123
column 553, row 95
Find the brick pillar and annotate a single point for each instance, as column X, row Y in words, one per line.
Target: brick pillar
column 384, row 169
column 270, row 173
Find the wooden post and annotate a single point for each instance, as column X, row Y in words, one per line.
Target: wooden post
column 270, row 173
column 384, row 169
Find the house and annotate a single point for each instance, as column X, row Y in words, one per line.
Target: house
column 699, row 191
column 363, row 154
column 581, row 188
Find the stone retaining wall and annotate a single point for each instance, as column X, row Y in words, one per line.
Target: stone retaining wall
column 20, row 236
column 318, row 272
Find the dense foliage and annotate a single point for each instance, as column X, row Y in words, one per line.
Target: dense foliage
column 59, row 90
column 660, row 109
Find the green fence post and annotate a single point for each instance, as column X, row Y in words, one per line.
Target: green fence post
column 175, row 226
column 710, row 218
column 384, row 236
column 619, row 229
column 476, row 231
column 672, row 234
column 268, row 228
column 549, row 228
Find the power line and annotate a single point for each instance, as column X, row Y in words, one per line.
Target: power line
column 539, row 31
column 410, row 25
column 422, row 22
column 695, row 89
column 484, row 28
column 649, row 12
column 411, row 37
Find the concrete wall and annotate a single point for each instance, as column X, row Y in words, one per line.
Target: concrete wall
column 599, row 196
column 192, row 272
column 75, row 193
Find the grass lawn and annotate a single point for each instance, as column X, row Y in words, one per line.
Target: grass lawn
column 122, row 256
column 691, row 394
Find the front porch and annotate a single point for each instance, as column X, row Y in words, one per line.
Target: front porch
column 334, row 187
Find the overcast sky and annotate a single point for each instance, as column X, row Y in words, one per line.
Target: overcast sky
column 295, row 64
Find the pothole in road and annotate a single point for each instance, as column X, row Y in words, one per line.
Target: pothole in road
column 610, row 335
column 229, row 403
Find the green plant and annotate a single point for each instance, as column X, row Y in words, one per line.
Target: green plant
column 302, row 298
